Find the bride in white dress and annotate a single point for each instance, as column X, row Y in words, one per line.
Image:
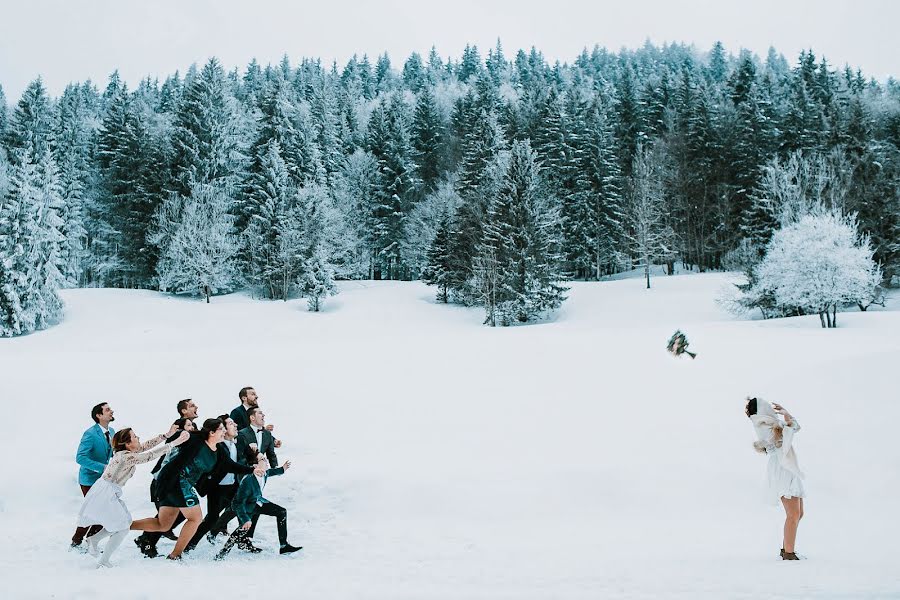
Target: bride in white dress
column 775, row 438
column 103, row 504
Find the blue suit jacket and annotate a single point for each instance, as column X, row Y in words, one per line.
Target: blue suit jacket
column 249, row 494
column 93, row 454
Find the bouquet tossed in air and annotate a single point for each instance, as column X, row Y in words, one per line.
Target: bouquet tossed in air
column 678, row 345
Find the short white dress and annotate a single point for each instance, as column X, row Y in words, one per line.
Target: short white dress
column 785, row 480
column 103, row 504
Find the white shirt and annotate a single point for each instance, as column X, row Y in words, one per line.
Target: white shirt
column 262, row 486
column 232, row 452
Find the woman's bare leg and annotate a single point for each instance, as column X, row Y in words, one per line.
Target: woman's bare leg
column 193, row 516
column 163, row 522
column 793, row 509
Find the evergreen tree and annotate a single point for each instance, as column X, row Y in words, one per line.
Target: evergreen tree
column 208, row 142
column 476, row 184
column 628, row 118
column 428, row 139
column 31, row 127
column 438, row 270
column 521, row 243
column 271, row 264
column 593, row 218
column 318, row 279
column 470, row 65
column 30, row 241
column 390, row 144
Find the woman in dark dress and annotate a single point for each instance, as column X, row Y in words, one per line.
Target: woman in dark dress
column 176, row 484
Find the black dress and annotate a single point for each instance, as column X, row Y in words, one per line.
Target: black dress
column 180, row 490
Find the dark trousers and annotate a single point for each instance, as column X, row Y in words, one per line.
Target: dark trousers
column 82, row 532
column 268, row 508
column 218, row 499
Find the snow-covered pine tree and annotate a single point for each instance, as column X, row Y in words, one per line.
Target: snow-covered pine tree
column 73, row 155
column 594, row 216
column 438, row 269
column 31, row 126
column 29, row 248
column 318, row 279
column 209, row 142
column 522, row 238
column 651, row 239
column 428, row 139
column 354, row 194
column 478, row 177
column 325, row 243
column 196, row 241
column 422, row 225
column 269, row 264
column 390, row 143
column 4, row 118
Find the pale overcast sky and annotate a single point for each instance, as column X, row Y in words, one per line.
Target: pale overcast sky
column 75, row 40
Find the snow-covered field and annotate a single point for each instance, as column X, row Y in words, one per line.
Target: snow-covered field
column 437, row 458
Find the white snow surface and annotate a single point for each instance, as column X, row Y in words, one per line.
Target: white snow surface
column 438, row 458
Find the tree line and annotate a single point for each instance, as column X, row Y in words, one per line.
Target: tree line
column 493, row 178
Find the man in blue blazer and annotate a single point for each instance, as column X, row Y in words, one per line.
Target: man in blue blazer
column 92, row 456
column 249, row 503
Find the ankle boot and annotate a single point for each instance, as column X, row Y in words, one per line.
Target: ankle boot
column 790, row 556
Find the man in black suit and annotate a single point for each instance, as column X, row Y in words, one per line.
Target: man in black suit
column 256, row 439
column 221, row 484
column 249, row 400
column 241, row 413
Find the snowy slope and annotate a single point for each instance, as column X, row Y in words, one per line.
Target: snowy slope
column 437, row 458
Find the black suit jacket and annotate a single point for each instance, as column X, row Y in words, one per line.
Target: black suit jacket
column 239, row 416
column 223, row 466
column 248, row 436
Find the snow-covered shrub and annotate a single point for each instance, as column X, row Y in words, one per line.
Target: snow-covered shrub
column 817, row 264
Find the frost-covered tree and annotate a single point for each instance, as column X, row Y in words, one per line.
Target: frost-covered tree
column 818, row 264
column 521, row 241
column 651, row 238
column 30, row 243
column 270, row 256
column 196, row 241
column 354, row 198
column 318, row 279
column 423, row 223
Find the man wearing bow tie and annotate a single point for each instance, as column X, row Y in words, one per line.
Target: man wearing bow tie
column 256, row 439
column 92, row 456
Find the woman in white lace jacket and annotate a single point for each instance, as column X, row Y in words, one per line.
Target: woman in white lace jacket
column 103, row 504
column 775, row 438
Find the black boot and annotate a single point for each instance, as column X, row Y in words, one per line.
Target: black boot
column 287, row 549
column 789, row 556
column 147, row 549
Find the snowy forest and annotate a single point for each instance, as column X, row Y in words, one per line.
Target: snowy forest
column 493, row 178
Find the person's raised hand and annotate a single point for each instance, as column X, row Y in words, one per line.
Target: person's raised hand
column 270, row 428
column 278, row 443
column 286, row 465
